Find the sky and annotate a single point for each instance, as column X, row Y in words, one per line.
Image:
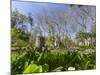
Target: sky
column 35, row 7
column 26, row 7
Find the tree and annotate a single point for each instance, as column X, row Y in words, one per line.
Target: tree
column 14, row 18
column 18, row 20
column 31, row 21
column 93, row 38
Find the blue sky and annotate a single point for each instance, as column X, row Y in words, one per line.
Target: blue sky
column 34, row 7
column 26, row 7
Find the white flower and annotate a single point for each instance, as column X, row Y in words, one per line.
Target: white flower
column 71, row 68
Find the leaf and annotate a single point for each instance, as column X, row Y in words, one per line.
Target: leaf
column 58, row 69
column 45, row 67
column 26, row 64
column 31, row 69
column 39, row 69
column 40, row 56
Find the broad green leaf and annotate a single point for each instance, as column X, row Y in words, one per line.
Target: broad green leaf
column 39, row 69
column 31, row 68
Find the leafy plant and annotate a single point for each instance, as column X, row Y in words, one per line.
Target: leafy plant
column 32, row 68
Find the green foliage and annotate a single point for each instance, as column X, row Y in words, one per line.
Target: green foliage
column 19, row 39
column 28, row 59
column 52, row 62
column 45, row 68
column 68, row 42
column 18, row 18
column 49, row 42
column 58, row 69
column 32, row 68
